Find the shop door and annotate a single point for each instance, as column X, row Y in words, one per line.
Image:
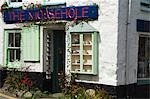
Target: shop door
column 59, row 58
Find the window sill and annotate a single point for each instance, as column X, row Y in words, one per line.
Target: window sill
column 144, row 9
column 84, row 73
column 143, row 81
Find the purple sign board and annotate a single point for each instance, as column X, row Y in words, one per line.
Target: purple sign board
column 37, row 14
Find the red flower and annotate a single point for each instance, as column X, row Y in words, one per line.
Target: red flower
column 27, row 81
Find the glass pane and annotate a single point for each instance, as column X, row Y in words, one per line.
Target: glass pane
column 75, row 48
column 75, row 39
column 141, row 48
column 87, row 52
column 87, row 39
column 10, row 40
column 18, row 54
column 16, row 0
column 11, row 55
column 13, row 0
column 144, row 57
column 19, row 0
column 17, row 39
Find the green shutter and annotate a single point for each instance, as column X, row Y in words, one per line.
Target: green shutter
column 30, row 43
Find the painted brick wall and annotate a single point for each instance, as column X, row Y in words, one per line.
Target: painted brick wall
column 107, row 25
column 35, row 67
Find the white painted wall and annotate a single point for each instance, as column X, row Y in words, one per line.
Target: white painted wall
column 128, row 67
column 35, row 67
column 111, row 25
column 107, row 25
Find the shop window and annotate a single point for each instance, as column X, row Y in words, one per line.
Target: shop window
column 84, row 49
column 12, row 46
column 144, row 57
column 145, row 5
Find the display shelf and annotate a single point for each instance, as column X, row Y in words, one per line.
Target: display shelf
column 75, row 45
column 82, row 53
column 84, row 49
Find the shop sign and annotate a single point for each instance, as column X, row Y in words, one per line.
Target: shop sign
column 143, row 26
column 36, row 14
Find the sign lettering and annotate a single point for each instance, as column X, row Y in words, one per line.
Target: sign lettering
column 67, row 13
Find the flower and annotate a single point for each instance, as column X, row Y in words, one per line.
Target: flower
column 26, row 81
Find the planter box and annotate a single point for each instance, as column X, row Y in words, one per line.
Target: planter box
column 2, row 77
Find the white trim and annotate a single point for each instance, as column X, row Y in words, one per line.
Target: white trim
column 143, row 79
column 41, row 48
column 85, row 81
column 141, row 34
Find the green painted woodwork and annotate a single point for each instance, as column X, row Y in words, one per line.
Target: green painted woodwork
column 7, row 63
column 58, row 58
column 82, row 29
column 5, row 47
column 94, row 49
column 81, row 52
column 31, row 43
column 95, row 52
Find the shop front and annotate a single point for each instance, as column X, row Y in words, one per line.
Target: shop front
column 39, row 42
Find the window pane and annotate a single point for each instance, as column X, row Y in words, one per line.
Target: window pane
column 11, row 55
column 17, row 39
column 141, row 48
column 19, row 0
column 10, row 40
column 16, row 0
column 18, row 54
column 144, row 57
column 13, row 0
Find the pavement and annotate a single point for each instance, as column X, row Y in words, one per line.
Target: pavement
column 53, row 96
column 3, row 96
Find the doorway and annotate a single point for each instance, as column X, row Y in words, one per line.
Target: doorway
column 58, row 59
column 53, row 57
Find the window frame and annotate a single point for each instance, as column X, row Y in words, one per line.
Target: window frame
column 94, row 54
column 145, row 5
column 14, row 4
column 142, row 80
column 53, row 2
column 7, row 62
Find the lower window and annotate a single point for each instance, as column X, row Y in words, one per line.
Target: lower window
column 12, row 46
column 144, row 57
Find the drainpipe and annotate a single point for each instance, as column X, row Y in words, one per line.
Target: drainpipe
column 128, row 20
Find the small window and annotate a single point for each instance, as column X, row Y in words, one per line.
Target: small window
column 145, row 5
column 14, row 3
column 12, row 50
column 15, row 0
column 83, row 52
column 54, row 2
column 84, row 42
